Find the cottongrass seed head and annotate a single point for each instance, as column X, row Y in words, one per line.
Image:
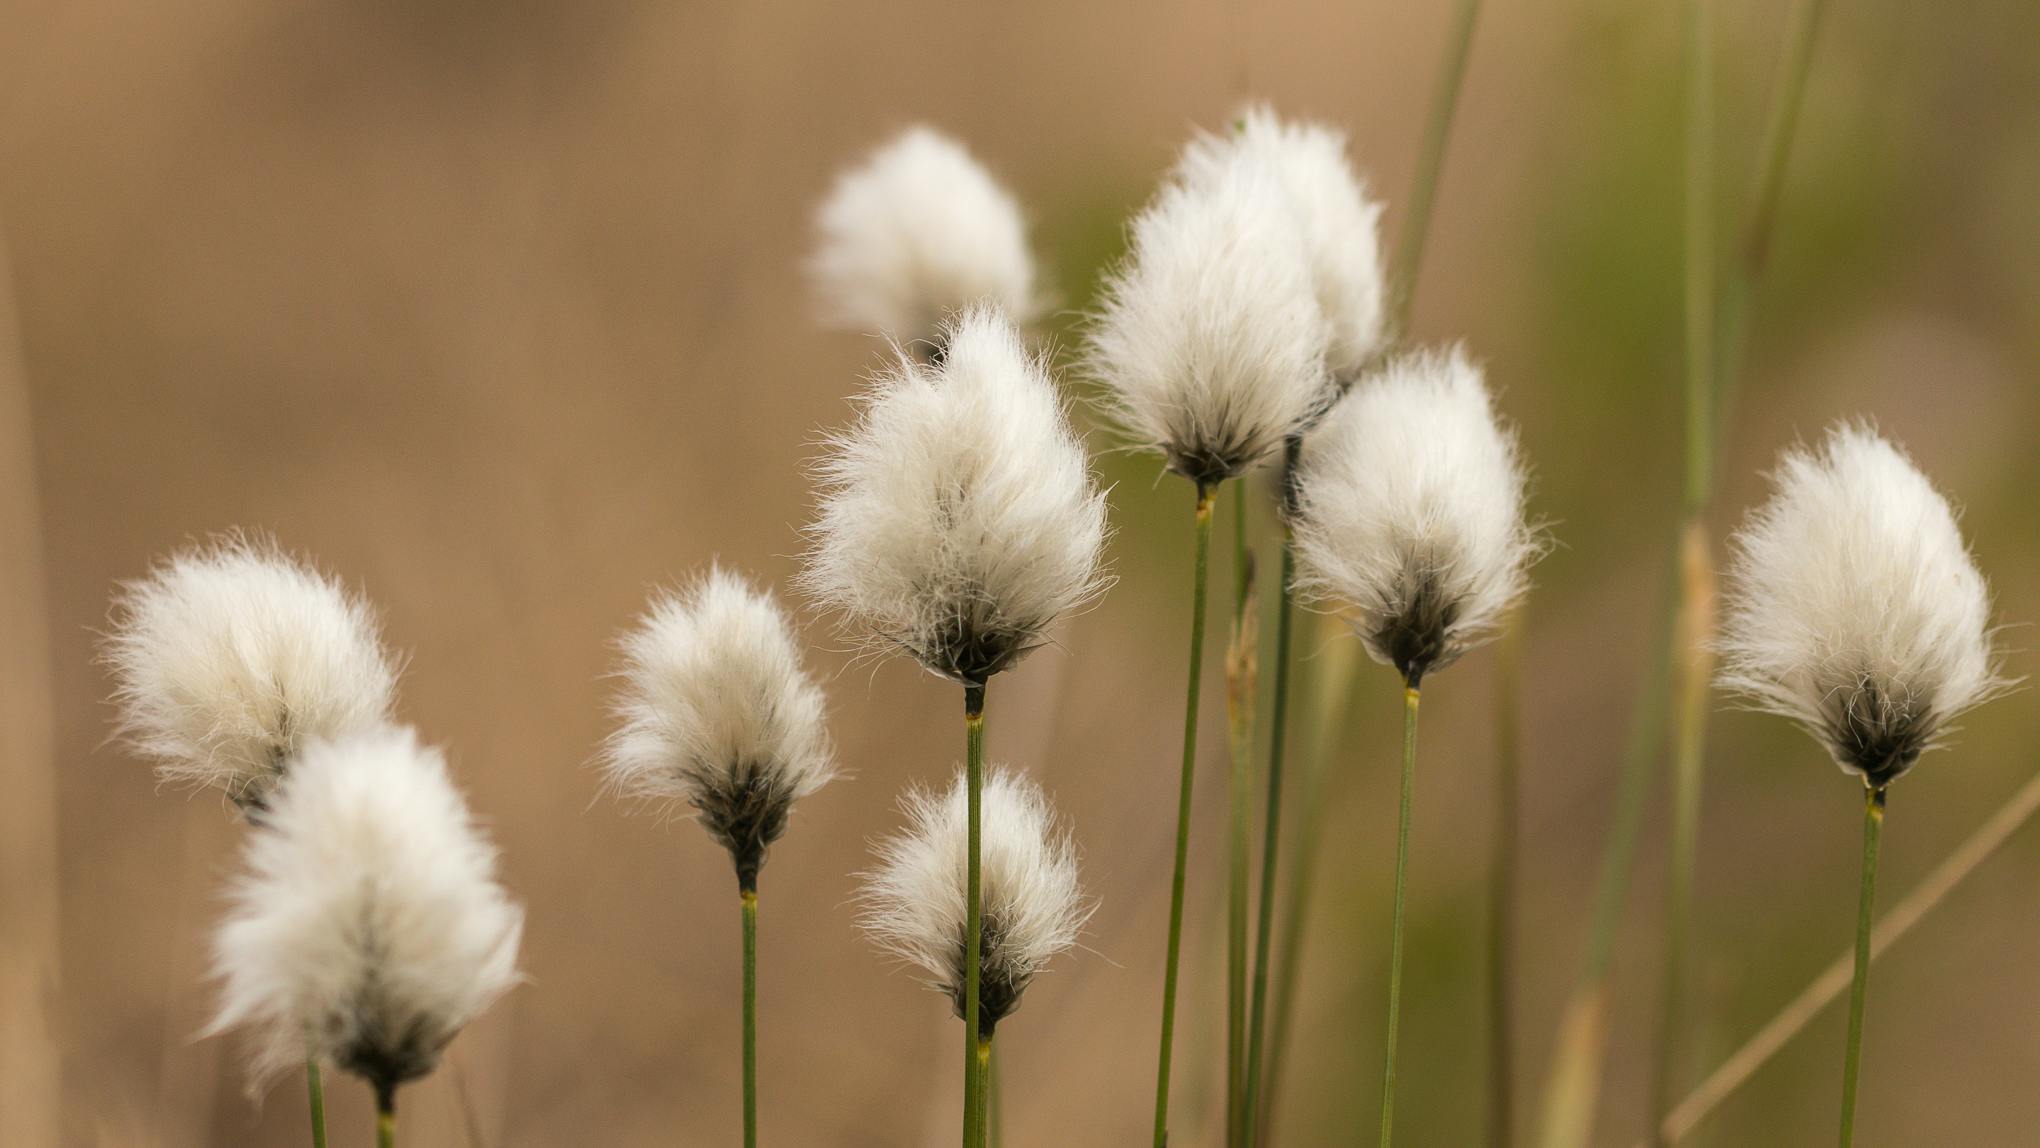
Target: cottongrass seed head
column 719, row 715
column 1338, row 223
column 1410, row 503
column 367, row 927
column 914, row 902
column 917, row 231
column 1854, row 607
column 229, row 657
column 959, row 516
column 1209, row 339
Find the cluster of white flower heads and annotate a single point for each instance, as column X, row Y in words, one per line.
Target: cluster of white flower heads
column 717, row 712
column 1410, row 512
column 1339, row 225
column 1855, row 608
column 918, row 231
column 959, row 516
column 230, row 657
column 368, row 927
column 1210, row 340
column 914, row 903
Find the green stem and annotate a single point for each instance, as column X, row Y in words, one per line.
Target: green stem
column 1859, row 991
column 1240, row 686
column 1501, row 885
column 1201, row 564
column 386, row 1118
column 984, row 1092
column 974, row 924
column 995, row 1105
column 317, row 1091
column 1395, row 952
column 1270, row 837
column 1409, row 254
column 750, row 899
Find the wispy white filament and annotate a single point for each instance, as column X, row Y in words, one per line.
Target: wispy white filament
column 229, row 657
column 1329, row 203
column 1411, row 512
column 718, row 714
column 959, row 517
column 1854, row 606
column 367, row 927
column 914, row 902
column 1210, row 340
column 915, row 232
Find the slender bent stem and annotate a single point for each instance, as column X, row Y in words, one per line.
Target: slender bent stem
column 316, row 1090
column 750, row 899
column 1240, row 678
column 1501, row 887
column 1270, row 842
column 974, row 923
column 1859, row 992
column 1201, row 565
column 1402, row 866
column 1409, row 252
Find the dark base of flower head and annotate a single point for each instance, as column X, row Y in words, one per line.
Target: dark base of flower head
column 1414, row 641
column 972, row 650
column 1207, row 467
column 1874, row 735
column 746, row 813
column 387, row 1061
column 998, row 989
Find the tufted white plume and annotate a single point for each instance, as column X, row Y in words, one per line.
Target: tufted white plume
column 958, row 517
column 1854, row 607
column 1410, row 501
column 229, row 657
column 367, row 926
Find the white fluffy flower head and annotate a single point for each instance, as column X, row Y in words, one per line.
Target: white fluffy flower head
column 959, row 517
column 918, row 231
column 1209, row 340
column 229, row 657
column 1410, row 511
column 1339, row 224
column 718, row 713
column 368, row 925
column 1033, row 908
column 1855, row 608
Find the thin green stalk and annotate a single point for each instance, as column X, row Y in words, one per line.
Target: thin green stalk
column 1501, row 887
column 1270, row 835
column 995, row 1106
column 1240, row 675
column 750, row 899
column 1409, row 253
column 317, row 1090
column 1395, row 953
column 1859, row 992
column 984, row 1092
column 386, row 1118
column 974, row 922
column 1201, row 566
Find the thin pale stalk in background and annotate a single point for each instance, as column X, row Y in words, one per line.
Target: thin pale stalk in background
column 1201, row 562
column 1395, row 952
column 1241, row 674
column 1409, row 252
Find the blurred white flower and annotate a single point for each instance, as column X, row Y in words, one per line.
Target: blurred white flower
column 1854, row 607
column 229, row 657
column 918, row 231
column 718, row 713
column 1410, row 503
column 1033, row 908
column 367, row 928
column 958, row 517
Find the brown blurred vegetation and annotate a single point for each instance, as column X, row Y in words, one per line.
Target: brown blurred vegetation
column 496, row 309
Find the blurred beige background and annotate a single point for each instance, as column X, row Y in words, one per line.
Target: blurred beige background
column 496, row 309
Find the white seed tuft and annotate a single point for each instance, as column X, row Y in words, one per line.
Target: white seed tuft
column 1033, row 908
column 229, row 657
column 958, row 517
column 367, row 928
column 1210, row 340
column 718, row 714
column 1338, row 222
column 1410, row 511
column 917, row 231
column 1854, row 607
